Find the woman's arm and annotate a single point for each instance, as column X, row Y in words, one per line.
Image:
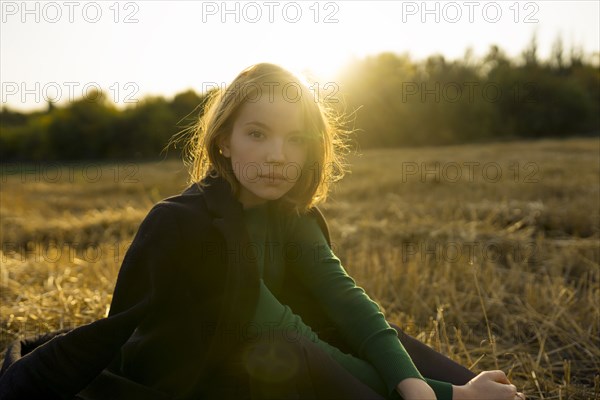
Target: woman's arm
column 412, row 388
column 357, row 317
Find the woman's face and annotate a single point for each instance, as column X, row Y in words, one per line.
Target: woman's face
column 267, row 148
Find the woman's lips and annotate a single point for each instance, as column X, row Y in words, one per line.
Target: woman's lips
column 273, row 178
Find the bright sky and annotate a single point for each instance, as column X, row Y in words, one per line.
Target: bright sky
column 130, row 49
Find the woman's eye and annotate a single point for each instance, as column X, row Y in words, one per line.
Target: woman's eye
column 298, row 139
column 256, row 134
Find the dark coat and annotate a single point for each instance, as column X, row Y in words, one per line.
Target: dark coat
column 186, row 287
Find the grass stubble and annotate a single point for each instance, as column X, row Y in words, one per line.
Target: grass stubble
column 487, row 253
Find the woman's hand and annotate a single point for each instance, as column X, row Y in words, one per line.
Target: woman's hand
column 415, row 389
column 492, row 385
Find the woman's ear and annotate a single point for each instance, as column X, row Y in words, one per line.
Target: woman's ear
column 224, row 149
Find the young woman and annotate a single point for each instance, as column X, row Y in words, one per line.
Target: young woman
column 231, row 290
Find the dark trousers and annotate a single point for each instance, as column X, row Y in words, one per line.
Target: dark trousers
column 279, row 369
column 298, row 369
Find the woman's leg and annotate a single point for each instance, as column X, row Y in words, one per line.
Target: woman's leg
column 281, row 368
column 431, row 363
column 286, row 369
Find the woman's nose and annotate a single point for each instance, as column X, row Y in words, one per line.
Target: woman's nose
column 276, row 151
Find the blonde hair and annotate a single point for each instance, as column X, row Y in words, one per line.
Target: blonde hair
column 323, row 127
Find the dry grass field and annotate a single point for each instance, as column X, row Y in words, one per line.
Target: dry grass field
column 488, row 253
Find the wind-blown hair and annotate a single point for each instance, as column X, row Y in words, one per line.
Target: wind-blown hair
column 324, row 164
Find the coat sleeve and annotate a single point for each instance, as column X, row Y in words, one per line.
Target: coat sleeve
column 64, row 365
column 147, row 267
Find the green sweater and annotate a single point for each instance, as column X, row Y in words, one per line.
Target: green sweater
column 383, row 362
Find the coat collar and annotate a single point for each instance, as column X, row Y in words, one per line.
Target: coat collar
column 242, row 276
column 226, row 211
column 219, row 198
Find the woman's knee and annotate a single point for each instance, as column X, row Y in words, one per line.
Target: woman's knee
column 277, row 355
column 277, row 366
column 403, row 336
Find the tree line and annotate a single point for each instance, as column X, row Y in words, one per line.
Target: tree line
column 391, row 100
